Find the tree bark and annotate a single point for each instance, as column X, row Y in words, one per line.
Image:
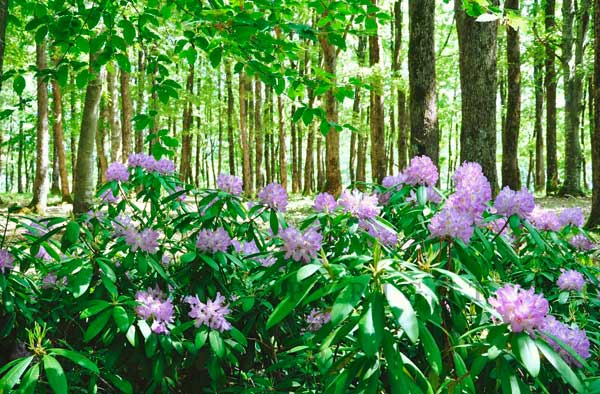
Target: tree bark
column 185, row 163
column 244, row 136
column 282, row 159
column 40, row 184
column 101, row 157
column 538, row 76
column 402, row 142
column 126, row 115
column 510, row 136
column 3, row 23
column 550, row 86
column 141, row 81
column 228, row 83
column 478, row 80
column 594, row 218
column 258, row 133
column 378, row 159
column 84, row 182
column 424, row 136
column 113, row 116
column 59, row 140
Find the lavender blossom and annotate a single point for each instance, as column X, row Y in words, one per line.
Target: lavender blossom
column 582, row 243
column 509, row 202
column 450, row 223
column 421, row 171
column 164, row 166
column 299, row 246
column 317, row 319
column 142, row 160
column 570, row 280
column 230, row 184
column 571, row 216
column 385, row 236
column 108, row 197
column 153, row 305
column 117, row 172
column 543, row 219
column 473, row 191
column 573, row 337
column 213, row 241
column 360, row 205
column 522, row 309
column 6, row 261
column 274, row 196
column 212, row 314
column 145, row 240
column 325, row 202
column 393, row 181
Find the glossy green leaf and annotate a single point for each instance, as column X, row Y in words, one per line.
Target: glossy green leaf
column 403, row 311
column 348, row 298
column 55, row 374
column 75, row 357
column 528, row 353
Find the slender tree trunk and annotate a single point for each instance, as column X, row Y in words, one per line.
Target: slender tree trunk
column 3, row 22
column 55, row 184
column 282, row 158
column 309, row 166
column 141, row 81
column 228, row 83
column 268, row 115
column 550, row 86
column 40, row 185
column 101, row 135
column 20, row 158
column 258, row 133
column 594, row 219
column 126, row 115
column 244, row 135
column 510, row 136
column 478, row 80
column 293, row 137
column 220, row 126
column 113, row 116
column 320, row 172
column 185, row 168
column 401, row 95
column 59, row 140
column 84, row 182
column 538, row 76
column 424, row 136
column 378, row 159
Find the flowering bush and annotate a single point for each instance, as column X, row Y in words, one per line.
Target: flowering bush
column 402, row 288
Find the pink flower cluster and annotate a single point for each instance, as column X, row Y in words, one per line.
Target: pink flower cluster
column 582, row 243
column 145, row 240
column 544, row 219
column 274, row 196
column 117, row 172
column 212, row 314
column 325, row 202
column 213, row 241
column 360, row 205
column 301, row 246
column 450, row 223
column 150, row 164
column 510, row 202
column 571, row 216
column 153, row 305
column 108, row 197
column 230, row 184
column 522, row 309
column 574, row 337
column 385, row 236
column 571, row 280
column 421, row 171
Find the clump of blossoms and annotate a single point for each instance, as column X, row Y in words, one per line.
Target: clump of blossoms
column 212, row 314
column 473, row 191
column 317, row 319
column 213, row 241
column 522, row 309
column 544, row 219
column 421, row 171
column 385, row 236
column 153, row 305
column 150, row 164
column 574, row 337
column 301, row 246
column 6, row 261
column 117, row 172
column 108, row 197
column 325, row 202
column 164, row 166
column 393, row 181
column 360, row 205
column 510, row 202
column 571, row 216
column 582, row 243
column 230, row 184
column 122, row 224
column 450, row 223
column 145, row 240
column 431, row 196
column 571, row 280
column 274, row 196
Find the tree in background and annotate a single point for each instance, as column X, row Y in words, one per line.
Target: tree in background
column 40, row 184
column 594, row 219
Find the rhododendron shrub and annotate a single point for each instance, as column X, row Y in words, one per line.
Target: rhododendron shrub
column 400, row 287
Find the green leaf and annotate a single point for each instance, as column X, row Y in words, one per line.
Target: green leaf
column 200, row 339
column 30, row 379
column 216, row 343
column 306, row 271
column 80, row 282
column 371, row 326
column 528, row 353
column 76, row 357
column 72, row 232
column 294, row 296
column 215, row 56
column 96, row 326
column 121, row 318
column 19, row 85
column 403, row 311
column 348, row 298
column 432, row 350
column 15, row 373
column 274, row 222
column 560, row 365
column 238, row 336
column 56, row 375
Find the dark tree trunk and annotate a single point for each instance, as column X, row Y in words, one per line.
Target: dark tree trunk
column 258, row 133
column 101, row 134
column 376, row 119
column 126, row 115
column 281, row 135
column 424, row 136
column 3, row 23
column 401, row 94
column 594, row 219
column 59, row 140
column 268, row 112
column 244, row 135
column 510, row 136
column 113, row 116
column 141, row 76
column 538, row 76
column 229, row 86
column 20, row 158
column 40, row 184
column 478, row 80
column 185, row 164
column 550, row 86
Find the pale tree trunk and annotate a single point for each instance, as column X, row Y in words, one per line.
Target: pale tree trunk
column 309, row 166
column 55, row 184
column 20, row 158
column 141, row 80
column 59, row 140
column 101, row 158
column 540, row 175
column 594, row 219
column 3, row 23
column 550, row 86
column 113, row 116
column 185, row 168
column 126, row 115
column 402, row 143
column 228, row 83
column 378, row 159
column 244, row 136
column 281, row 134
column 258, row 133
column 40, row 184
column 424, row 136
column 220, row 125
column 250, row 128
column 478, row 80
column 293, row 137
column 84, row 181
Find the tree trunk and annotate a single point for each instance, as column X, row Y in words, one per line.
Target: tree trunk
column 244, row 135
column 141, row 80
column 424, row 136
column 55, row 178
column 84, row 181
column 320, row 171
column 550, row 86
column 126, row 115
column 401, row 95
column 510, row 136
column 59, row 140
column 101, row 157
column 594, row 219
column 228, row 83
column 378, row 159
column 309, row 166
column 20, row 158
column 258, row 132
column 3, row 23
column 538, row 76
column 113, row 116
column 478, row 80
column 282, row 159
column 293, row 137
column 185, row 163
column 40, row 184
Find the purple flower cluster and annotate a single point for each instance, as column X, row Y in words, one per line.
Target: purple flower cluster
column 571, row 280
column 522, row 309
column 450, row 223
column 153, row 305
column 432, row 196
column 473, row 191
column 421, row 171
column 385, row 236
column 544, row 219
column 582, row 243
column 325, row 202
column 274, row 196
column 230, row 184
column 510, row 202
column 42, row 254
column 213, row 241
column 574, row 337
column 117, row 172
column 122, row 224
column 6, row 261
column 145, row 240
column 150, row 164
column 299, row 246
column 317, row 319
column 393, row 181
column 108, row 197
column 360, row 205
column 571, row 216
column 213, row 313
column 246, row 247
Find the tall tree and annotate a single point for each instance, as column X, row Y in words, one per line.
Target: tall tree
column 141, row 82
column 281, row 134
column 244, row 135
column 376, row 119
column 550, row 85
column 126, row 115
column 231, row 146
column 424, row 136
column 478, row 82
column 510, row 136
column 40, row 184
column 84, row 183
column 538, row 78
column 113, row 115
column 594, row 218
column 185, row 162
column 258, row 133
column 3, row 23
column 101, row 134
column 59, row 140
